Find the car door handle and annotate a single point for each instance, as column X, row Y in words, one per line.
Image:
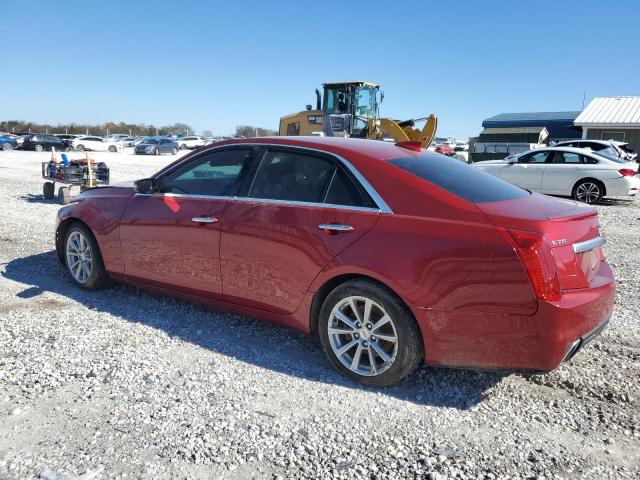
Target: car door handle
column 204, row 219
column 334, row 228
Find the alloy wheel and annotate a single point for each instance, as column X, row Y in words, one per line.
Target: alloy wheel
column 79, row 257
column 588, row 192
column 362, row 336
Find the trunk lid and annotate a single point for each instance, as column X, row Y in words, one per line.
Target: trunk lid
column 571, row 230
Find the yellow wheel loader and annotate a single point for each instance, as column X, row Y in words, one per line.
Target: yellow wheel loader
column 350, row 109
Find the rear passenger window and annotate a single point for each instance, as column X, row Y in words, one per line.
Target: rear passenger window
column 292, row 176
column 461, row 179
column 343, row 191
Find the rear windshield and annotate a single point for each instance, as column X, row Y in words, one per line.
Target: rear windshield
column 459, row 178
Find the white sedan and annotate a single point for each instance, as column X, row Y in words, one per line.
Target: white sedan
column 96, row 144
column 582, row 174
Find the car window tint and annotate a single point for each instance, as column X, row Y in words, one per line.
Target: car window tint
column 343, row 191
column 461, row 179
column 292, row 176
column 540, row 157
column 216, row 174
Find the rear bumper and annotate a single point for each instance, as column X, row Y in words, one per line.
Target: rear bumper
column 623, row 186
column 531, row 342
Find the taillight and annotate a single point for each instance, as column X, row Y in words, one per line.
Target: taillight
column 627, row 172
column 537, row 259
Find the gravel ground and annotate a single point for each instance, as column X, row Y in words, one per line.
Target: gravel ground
column 125, row 384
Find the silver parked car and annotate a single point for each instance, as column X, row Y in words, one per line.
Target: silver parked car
column 585, row 175
column 611, row 148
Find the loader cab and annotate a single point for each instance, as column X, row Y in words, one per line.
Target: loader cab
column 349, row 106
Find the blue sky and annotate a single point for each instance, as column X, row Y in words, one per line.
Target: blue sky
column 215, row 65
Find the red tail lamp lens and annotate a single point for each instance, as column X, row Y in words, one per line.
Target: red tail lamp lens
column 537, row 259
column 627, row 172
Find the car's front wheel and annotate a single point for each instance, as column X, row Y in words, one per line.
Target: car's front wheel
column 588, row 191
column 38, row 148
column 368, row 334
column 7, row 146
column 83, row 259
column 80, row 148
column 113, row 148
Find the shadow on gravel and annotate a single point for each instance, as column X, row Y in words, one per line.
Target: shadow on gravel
column 31, row 198
column 270, row 346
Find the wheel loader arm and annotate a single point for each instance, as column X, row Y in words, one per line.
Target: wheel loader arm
column 407, row 133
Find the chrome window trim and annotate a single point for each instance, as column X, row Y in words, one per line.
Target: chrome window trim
column 375, row 196
column 589, row 245
column 262, row 200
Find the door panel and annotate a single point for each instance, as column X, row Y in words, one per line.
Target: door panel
column 560, row 175
column 161, row 244
column 271, row 252
column 528, row 172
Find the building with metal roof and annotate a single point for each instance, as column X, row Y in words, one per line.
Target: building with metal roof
column 560, row 125
column 612, row 118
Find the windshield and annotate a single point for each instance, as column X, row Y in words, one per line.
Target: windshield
column 150, row 141
column 366, row 104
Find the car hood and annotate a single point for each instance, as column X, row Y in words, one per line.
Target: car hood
column 120, row 189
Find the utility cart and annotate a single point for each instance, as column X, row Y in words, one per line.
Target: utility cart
column 84, row 173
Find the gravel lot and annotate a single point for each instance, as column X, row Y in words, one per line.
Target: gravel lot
column 125, row 384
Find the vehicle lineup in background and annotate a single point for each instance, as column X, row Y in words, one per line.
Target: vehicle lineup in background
column 585, row 175
column 389, row 254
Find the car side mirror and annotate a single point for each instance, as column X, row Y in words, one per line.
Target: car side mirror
column 146, row 185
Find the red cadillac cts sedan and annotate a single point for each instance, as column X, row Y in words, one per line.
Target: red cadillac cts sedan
column 388, row 254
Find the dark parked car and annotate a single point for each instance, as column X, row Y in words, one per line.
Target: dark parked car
column 40, row 142
column 156, row 146
column 389, row 254
column 8, row 143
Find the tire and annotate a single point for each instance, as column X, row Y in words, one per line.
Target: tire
column 64, row 195
column 174, row 151
column 402, row 354
column 113, row 149
column 156, row 151
column 588, row 191
column 7, row 146
column 80, row 148
column 48, row 190
column 38, row 148
column 183, row 146
column 78, row 241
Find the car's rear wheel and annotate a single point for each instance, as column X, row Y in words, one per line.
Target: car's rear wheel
column 368, row 334
column 7, row 146
column 113, row 149
column 588, row 191
column 83, row 260
column 38, row 148
column 80, row 148
column 183, row 146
